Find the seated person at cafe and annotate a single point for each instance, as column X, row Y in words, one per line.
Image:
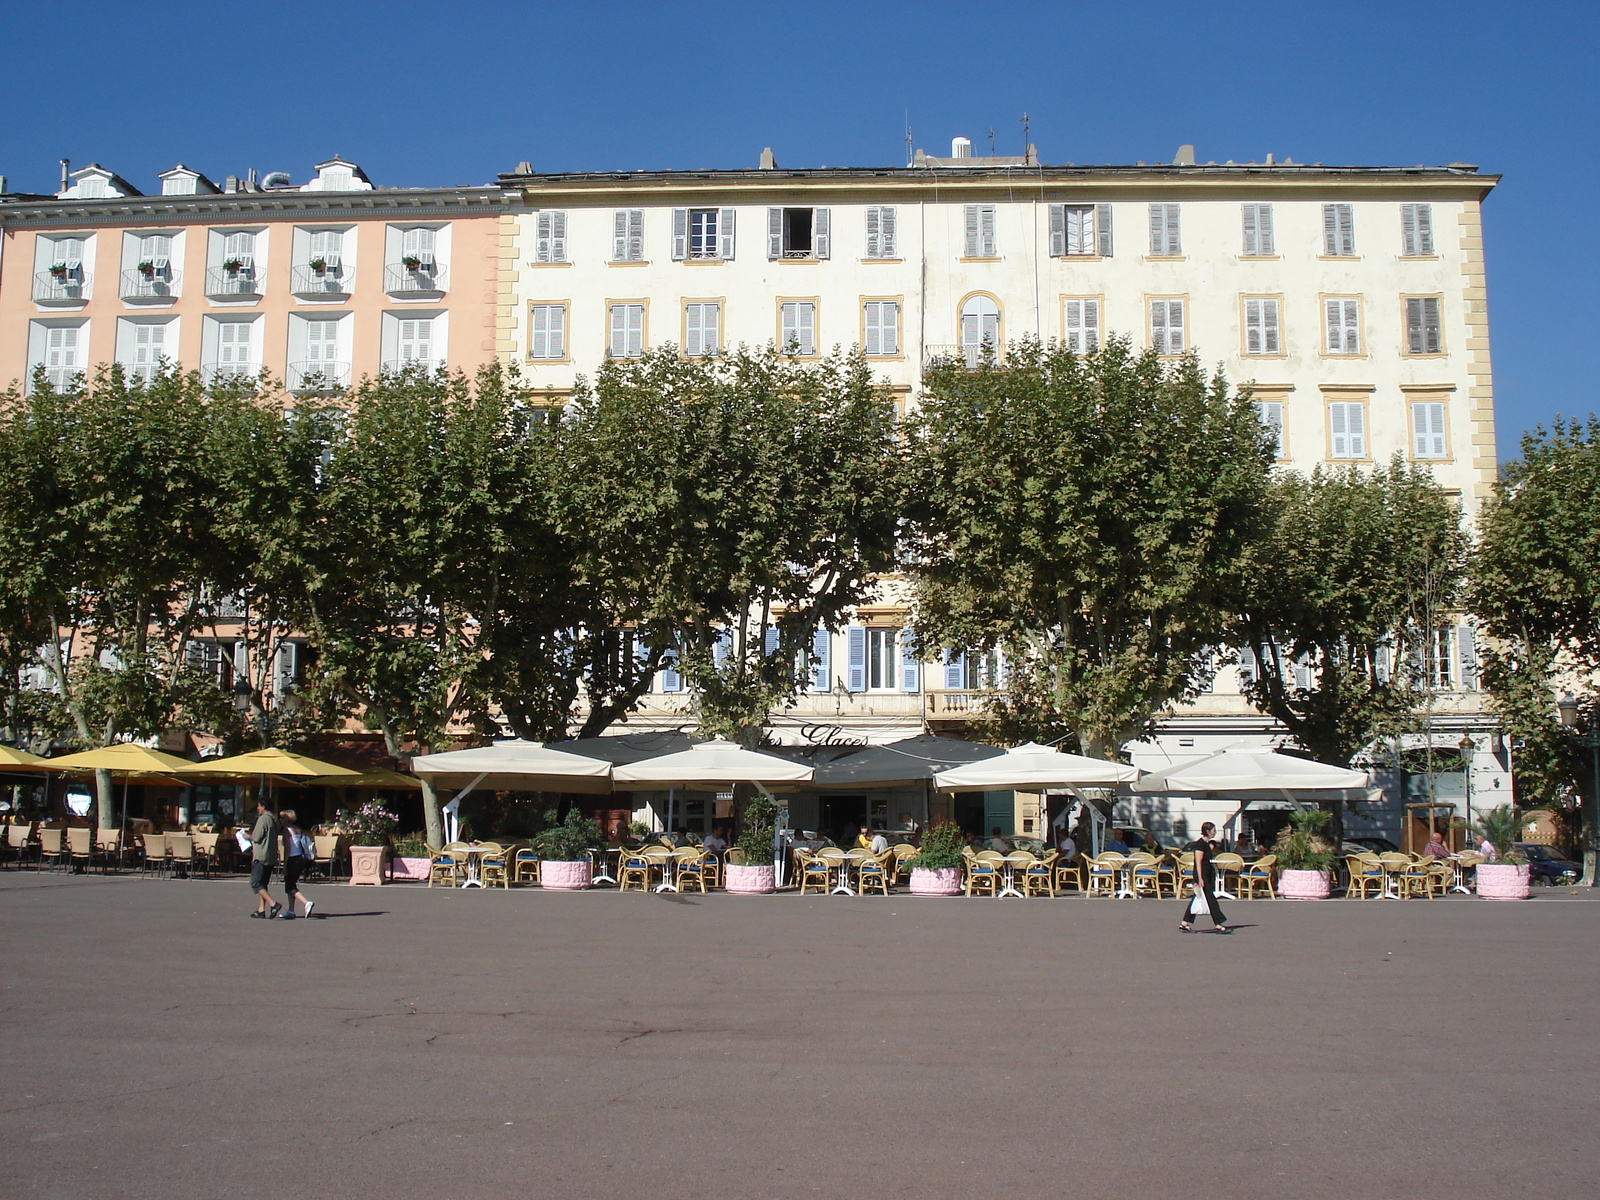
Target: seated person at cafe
column 878, row 844
column 1436, row 847
column 864, row 839
column 1115, row 844
column 1066, row 845
column 715, row 843
column 996, row 842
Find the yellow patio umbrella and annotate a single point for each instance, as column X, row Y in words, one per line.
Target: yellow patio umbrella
column 12, row 759
column 379, row 777
column 127, row 760
column 283, row 764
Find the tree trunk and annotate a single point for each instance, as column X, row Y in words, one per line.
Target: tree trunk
column 432, row 813
column 105, row 800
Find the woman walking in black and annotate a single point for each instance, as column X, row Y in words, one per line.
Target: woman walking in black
column 1204, row 849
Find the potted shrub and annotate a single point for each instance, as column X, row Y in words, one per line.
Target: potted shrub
column 564, row 851
column 409, row 857
column 756, row 875
column 1304, row 858
column 936, row 870
column 1507, row 877
column 147, row 267
column 233, row 266
column 319, row 265
column 369, row 828
column 411, row 262
column 59, row 270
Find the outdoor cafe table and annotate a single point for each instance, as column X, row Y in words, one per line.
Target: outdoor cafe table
column 852, row 859
column 1011, row 862
column 472, row 852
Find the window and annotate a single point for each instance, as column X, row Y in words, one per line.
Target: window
column 1166, row 326
column 881, row 232
column 547, row 331
column 891, row 665
column 550, row 237
column 214, row 660
column 1427, row 429
column 228, row 348
column 627, row 235
column 1080, row 229
column 980, row 330
column 58, row 349
column 979, row 225
column 798, row 327
column 1416, row 229
column 66, row 252
column 239, row 249
column 141, row 346
column 415, row 344
column 880, row 328
column 322, row 342
column 1166, row 235
column 1257, row 229
column 1080, row 325
column 233, row 343
column 156, row 249
column 972, row 672
column 797, row 233
column 1270, row 414
column 327, row 248
column 702, row 329
column 1342, row 318
column 702, row 233
column 1347, row 429
column 1423, row 332
column 818, row 663
column 419, row 244
column 1260, row 325
column 627, row 331
column 1338, row 229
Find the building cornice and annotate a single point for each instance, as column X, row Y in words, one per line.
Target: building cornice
column 263, row 205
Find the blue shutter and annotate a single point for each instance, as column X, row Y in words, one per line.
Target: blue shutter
column 856, row 673
column 671, row 680
column 910, row 668
column 770, row 642
column 719, row 649
column 955, row 674
column 821, row 670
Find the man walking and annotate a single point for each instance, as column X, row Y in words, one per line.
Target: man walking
column 263, row 857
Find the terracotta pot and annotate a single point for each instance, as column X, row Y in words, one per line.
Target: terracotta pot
column 1304, row 885
column 1503, row 881
column 366, row 864
column 566, row 876
column 935, row 881
column 744, row 880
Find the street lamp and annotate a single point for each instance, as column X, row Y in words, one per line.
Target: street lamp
column 1468, row 748
column 1567, row 709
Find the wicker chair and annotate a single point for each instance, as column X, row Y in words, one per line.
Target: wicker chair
column 1040, row 875
column 1103, row 873
column 903, row 852
column 1146, row 875
column 525, row 865
column 691, row 869
column 983, row 872
column 447, row 866
column 1070, row 871
column 634, row 873
column 815, row 872
column 874, row 873
column 1257, row 875
column 1167, row 876
column 494, row 865
column 1416, row 879
column 1366, row 876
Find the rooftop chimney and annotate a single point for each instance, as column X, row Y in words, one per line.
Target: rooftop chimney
column 1184, row 157
column 961, row 147
column 768, row 162
column 66, row 173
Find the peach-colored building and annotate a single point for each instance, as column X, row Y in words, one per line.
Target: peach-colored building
column 317, row 284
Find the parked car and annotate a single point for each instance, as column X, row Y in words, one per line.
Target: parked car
column 1546, row 867
column 1377, row 845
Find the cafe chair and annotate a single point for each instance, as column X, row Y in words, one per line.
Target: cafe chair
column 1258, row 875
column 634, row 874
column 1103, row 873
column 983, row 872
column 52, row 847
column 80, row 848
column 494, row 866
column 1040, row 875
column 180, row 854
column 874, row 873
column 1146, row 875
column 1366, row 876
column 325, row 861
column 154, row 858
column 817, row 872
column 525, row 865
column 1069, row 871
column 1416, row 879
column 691, row 866
column 1167, row 876
column 19, row 841
column 446, row 866
column 1228, row 864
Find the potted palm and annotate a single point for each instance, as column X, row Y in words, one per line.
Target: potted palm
column 565, row 864
column 936, row 870
column 1507, row 877
column 1304, row 858
column 369, row 828
column 755, row 876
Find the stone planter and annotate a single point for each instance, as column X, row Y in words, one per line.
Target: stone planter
column 366, row 864
column 565, row 876
column 1304, row 885
column 746, row 880
column 936, row 881
column 1503, row 881
column 409, row 868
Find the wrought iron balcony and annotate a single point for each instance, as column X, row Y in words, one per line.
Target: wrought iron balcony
column 968, row 356
column 320, row 376
column 222, row 282
column 70, row 288
column 425, row 280
column 221, row 374
column 62, row 379
column 396, row 366
column 330, row 281
column 160, row 284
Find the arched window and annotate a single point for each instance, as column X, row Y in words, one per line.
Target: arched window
column 980, row 326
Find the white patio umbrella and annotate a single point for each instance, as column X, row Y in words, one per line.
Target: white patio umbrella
column 1033, row 767
column 510, row 766
column 1245, row 768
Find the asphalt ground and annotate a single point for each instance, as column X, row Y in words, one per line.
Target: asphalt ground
column 417, row 1043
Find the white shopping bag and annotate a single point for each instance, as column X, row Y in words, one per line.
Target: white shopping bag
column 1198, row 906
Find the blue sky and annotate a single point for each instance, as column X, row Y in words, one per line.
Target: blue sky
column 446, row 94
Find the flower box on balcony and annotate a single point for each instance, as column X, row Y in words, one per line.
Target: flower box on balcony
column 233, row 266
column 147, row 268
column 411, row 262
column 319, row 265
column 59, row 270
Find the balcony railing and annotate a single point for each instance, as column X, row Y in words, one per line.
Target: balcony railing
column 321, row 376
column 396, row 366
column 426, row 280
column 50, row 288
column 222, row 282
column 330, row 281
column 153, row 285
column 968, row 356
column 964, row 703
column 62, row 379
column 220, row 374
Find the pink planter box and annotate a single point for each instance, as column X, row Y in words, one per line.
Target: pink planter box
column 1304, row 885
column 565, row 876
column 935, row 881
column 409, row 868
column 744, row 880
column 1503, row 881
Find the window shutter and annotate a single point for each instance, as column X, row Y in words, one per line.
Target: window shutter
column 1330, row 229
column 856, row 665
column 1338, row 430
column 691, row 330
column 955, row 671
column 889, row 327
column 1356, row 423
column 1158, row 325
column 886, row 233
column 1333, row 310
column 1091, row 326
column 1058, row 230
column 542, row 237
column 808, row 328
column 1102, row 229
column 821, row 670
column 1303, row 673
column 821, row 220
column 635, row 235
column 725, row 233
column 1252, row 237
column 1269, row 326
column 1338, row 229
column 974, row 231
column 558, row 237
column 1252, row 327
column 1247, row 665
column 539, row 331
column 619, row 330
column 680, row 234
column 910, row 667
column 240, row 246
column 1422, row 325
column 874, row 234
column 1347, row 229
column 872, row 334
column 1408, row 229
column 1264, row 234
column 1466, row 658
column 1427, row 423
column 789, row 331
column 1158, row 229
column 635, row 318
column 619, row 234
column 1424, row 228
column 986, row 228
column 774, row 233
column 671, row 679
column 1174, row 234
column 769, row 641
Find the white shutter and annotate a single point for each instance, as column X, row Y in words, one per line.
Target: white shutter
column 1081, row 323
column 680, row 234
column 70, row 252
column 1258, row 237
column 547, row 331
column 1270, row 414
column 1261, row 326
column 416, row 340
column 1416, row 229
column 1166, row 326
column 774, row 233
column 710, row 322
column 419, row 244
column 725, row 233
column 1344, row 326
column 635, row 235
column 1338, row 229
column 627, row 330
column 233, row 342
column 886, row 233
column 542, row 237
column 326, row 245
column 986, row 231
column 1102, row 230
column 241, row 246
column 322, row 341
column 1427, row 429
column 1252, row 234
column 558, row 237
column 971, row 224
column 1058, row 230
column 1174, row 234
column 700, row 329
column 156, row 248
column 881, row 331
column 821, row 237
column 1252, row 327
column 619, row 235
column 910, row 667
column 874, row 232
column 61, row 348
column 871, row 337
column 799, row 327
column 1347, row 427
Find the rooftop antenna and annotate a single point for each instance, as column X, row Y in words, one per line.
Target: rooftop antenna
column 1025, row 121
column 911, row 151
column 991, row 141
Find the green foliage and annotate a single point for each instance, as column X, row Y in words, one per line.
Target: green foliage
column 410, row 845
column 1302, row 849
column 1355, row 568
column 756, row 828
column 368, row 824
column 1503, row 828
column 571, row 840
column 941, row 847
column 1092, row 515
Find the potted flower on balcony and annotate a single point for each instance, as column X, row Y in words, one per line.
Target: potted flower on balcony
column 565, row 865
column 411, row 262
column 754, row 876
column 936, row 870
column 59, row 270
column 1507, row 877
column 147, row 267
column 318, row 264
column 1304, row 858
column 233, row 266
column 369, row 828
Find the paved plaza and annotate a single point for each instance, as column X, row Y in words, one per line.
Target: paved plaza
column 452, row 1044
